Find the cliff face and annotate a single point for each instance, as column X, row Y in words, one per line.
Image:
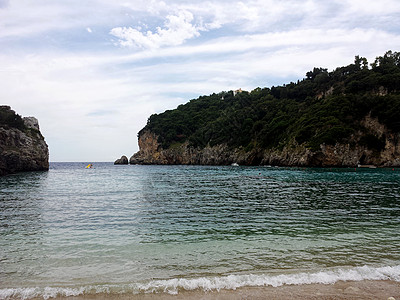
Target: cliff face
column 338, row 155
column 22, row 148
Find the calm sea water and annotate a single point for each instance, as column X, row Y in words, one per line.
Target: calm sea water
column 139, row 229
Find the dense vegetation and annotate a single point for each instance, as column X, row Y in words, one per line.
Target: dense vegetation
column 8, row 118
column 325, row 107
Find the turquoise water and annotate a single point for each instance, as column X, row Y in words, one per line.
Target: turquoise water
column 138, row 229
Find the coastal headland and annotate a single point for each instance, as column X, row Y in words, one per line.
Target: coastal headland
column 22, row 146
column 344, row 118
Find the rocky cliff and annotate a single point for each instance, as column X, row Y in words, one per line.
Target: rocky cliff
column 350, row 154
column 22, row 146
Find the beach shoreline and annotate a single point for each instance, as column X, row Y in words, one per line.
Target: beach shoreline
column 341, row 290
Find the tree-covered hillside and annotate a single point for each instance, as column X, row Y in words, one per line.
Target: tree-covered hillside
column 325, row 107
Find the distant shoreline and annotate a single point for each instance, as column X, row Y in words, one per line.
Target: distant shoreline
column 254, row 166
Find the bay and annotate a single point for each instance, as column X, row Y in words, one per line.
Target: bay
column 120, row 229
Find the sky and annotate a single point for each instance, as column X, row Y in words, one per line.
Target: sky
column 93, row 71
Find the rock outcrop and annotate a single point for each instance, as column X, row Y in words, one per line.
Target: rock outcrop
column 351, row 154
column 22, row 146
column 121, row 161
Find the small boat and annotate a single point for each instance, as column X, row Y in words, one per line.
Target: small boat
column 235, row 165
column 367, row 166
column 89, row 166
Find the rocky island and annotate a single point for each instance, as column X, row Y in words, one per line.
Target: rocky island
column 121, row 161
column 22, row 146
column 344, row 118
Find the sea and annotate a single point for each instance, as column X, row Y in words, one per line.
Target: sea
column 136, row 230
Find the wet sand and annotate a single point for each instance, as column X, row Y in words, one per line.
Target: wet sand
column 365, row 290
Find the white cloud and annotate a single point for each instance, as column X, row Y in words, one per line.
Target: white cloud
column 177, row 29
column 31, row 18
column 67, row 94
column 372, row 8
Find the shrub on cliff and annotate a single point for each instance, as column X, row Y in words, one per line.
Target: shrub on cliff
column 8, row 118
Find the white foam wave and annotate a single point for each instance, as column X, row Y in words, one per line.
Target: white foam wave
column 231, row 282
column 50, row 292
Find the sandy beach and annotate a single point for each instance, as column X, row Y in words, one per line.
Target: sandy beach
column 366, row 290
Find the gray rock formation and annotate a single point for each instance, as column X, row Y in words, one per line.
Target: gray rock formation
column 121, row 161
column 339, row 155
column 31, row 122
column 22, row 146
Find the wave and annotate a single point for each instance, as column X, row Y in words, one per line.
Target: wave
column 230, row 282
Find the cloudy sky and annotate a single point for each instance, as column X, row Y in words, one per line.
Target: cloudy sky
column 93, row 71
